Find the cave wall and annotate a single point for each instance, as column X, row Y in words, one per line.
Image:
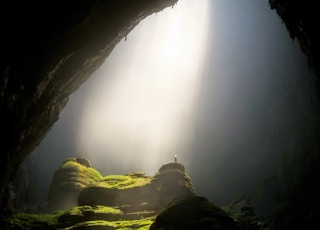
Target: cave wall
column 301, row 19
column 48, row 51
column 300, row 209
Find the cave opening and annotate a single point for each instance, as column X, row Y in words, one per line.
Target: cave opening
column 136, row 110
column 250, row 121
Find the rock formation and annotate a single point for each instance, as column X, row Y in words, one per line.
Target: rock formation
column 69, row 179
column 135, row 189
column 300, row 209
column 75, row 182
column 109, row 201
column 193, row 213
column 301, row 20
column 135, row 201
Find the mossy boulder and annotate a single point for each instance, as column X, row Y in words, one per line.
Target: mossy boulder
column 136, row 188
column 193, row 213
column 69, row 179
column 81, row 217
column 171, row 183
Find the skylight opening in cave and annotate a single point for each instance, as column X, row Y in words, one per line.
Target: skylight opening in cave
column 140, row 103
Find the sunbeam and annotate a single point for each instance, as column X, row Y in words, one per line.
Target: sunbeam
column 141, row 102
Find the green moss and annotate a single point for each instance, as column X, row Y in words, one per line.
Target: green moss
column 116, row 178
column 95, row 209
column 27, row 221
column 124, row 181
column 34, row 221
column 134, row 224
column 89, row 175
column 142, row 224
column 188, row 182
column 53, row 221
column 106, row 209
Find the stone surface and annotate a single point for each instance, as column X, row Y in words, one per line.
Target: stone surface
column 300, row 209
column 301, row 20
column 129, row 201
column 136, row 189
column 75, row 182
column 193, row 213
column 69, row 179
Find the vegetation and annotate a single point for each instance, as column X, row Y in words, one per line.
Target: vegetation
column 28, row 221
column 89, row 173
column 106, row 202
column 95, row 209
column 88, row 176
column 142, row 224
column 78, row 218
column 124, row 181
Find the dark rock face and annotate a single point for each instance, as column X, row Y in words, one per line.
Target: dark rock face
column 193, row 213
column 300, row 208
column 156, row 191
column 242, row 212
column 301, row 20
column 172, row 166
column 20, row 188
column 48, row 50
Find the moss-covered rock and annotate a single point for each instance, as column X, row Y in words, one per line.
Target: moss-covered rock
column 129, row 201
column 136, row 188
column 170, row 184
column 193, row 213
column 69, row 179
column 81, row 217
column 132, row 201
column 26, row 221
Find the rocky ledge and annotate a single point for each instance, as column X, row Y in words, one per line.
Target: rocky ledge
column 81, row 198
column 75, row 182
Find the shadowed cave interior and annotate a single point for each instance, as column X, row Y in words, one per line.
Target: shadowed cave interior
column 43, row 65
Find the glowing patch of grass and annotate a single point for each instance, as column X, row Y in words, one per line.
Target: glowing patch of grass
column 142, row 224
column 49, row 221
column 32, row 221
column 134, row 224
column 124, row 181
column 89, row 174
column 95, row 209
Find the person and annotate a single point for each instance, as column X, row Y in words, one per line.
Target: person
column 175, row 158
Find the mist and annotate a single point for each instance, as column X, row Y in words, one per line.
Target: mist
column 219, row 83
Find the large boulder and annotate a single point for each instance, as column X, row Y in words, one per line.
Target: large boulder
column 135, row 189
column 193, row 213
column 69, row 179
